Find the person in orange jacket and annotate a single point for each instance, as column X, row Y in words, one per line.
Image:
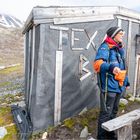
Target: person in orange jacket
column 110, row 66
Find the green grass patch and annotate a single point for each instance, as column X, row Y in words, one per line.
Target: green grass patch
column 69, row 122
column 10, row 69
column 83, row 120
column 3, row 84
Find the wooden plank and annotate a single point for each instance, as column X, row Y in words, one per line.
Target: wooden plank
column 120, row 22
column 136, row 75
column 58, row 87
column 28, row 68
column 83, row 19
column 83, row 62
column 32, row 67
column 91, row 40
column 128, row 18
column 121, row 121
column 59, row 28
column 72, row 19
column 72, row 11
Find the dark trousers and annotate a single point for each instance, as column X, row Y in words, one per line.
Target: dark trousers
column 108, row 111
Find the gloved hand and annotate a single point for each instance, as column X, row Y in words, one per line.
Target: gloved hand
column 116, row 70
column 120, row 76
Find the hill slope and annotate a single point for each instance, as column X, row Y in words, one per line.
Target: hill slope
column 11, row 53
column 11, row 46
column 9, row 21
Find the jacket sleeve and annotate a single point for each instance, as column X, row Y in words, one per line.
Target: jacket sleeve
column 126, row 82
column 101, row 62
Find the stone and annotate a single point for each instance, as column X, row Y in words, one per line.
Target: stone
column 90, row 138
column 132, row 99
column 123, row 101
column 137, row 99
column 44, row 136
column 3, row 132
column 84, row 132
column 83, row 111
column 134, row 136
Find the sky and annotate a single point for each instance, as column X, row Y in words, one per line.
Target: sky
column 22, row 8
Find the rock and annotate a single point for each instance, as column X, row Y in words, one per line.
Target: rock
column 83, row 111
column 44, row 136
column 3, row 132
column 84, row 132
column 137, row 99
column 90, row 138
column 123, row 101
column 20, row 103
column 132, row 99
column 4, row 104
column 134, row 136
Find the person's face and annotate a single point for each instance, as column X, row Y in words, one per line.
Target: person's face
column 119, row 37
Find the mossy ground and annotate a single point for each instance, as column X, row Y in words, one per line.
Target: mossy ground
column 6, row 120
column 71, row 128
column 5, row 116
column 12, row 133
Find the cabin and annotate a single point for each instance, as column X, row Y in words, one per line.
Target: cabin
column 60, row 46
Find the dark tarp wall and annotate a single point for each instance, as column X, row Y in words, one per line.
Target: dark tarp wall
column 40, row 83
column 124, row 25
column 133, row 53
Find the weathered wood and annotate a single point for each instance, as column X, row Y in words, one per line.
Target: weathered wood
column 125, row 133
column 121, row 121
column 136, row 75
column 123, row 124
column 82, row 19
column 58, row 87
column 73, row 19
column 31, row 76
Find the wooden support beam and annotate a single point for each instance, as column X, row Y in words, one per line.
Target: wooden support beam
column 125, row 133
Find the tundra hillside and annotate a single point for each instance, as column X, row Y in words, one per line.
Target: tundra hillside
column 11, row 78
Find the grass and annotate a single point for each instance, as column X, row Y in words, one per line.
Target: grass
column 10, row 69
column 6, row 120
column 3, row 84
